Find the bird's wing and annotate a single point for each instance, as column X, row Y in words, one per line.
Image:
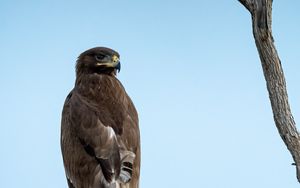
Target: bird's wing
column 129, row 144
column 98, row 140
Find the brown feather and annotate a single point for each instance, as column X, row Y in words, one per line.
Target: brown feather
column 100, row 138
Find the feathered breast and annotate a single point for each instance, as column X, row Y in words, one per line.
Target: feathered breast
column 107, row 96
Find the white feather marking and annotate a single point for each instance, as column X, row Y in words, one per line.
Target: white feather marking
column 111, row 132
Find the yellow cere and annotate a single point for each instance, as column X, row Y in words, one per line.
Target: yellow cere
column 115, row 58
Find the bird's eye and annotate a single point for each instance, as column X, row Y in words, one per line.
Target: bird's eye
column 99, row 57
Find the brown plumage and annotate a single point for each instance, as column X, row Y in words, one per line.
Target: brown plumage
column 100, row 138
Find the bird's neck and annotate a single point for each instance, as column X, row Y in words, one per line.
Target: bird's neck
column 94, row 78
column 99, row 86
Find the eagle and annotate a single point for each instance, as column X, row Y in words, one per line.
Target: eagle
column 100, row 138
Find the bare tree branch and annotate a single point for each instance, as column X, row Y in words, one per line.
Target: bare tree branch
column 247, row 4
column 261, row 12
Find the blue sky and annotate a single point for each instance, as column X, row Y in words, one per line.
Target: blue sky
column 191, row 68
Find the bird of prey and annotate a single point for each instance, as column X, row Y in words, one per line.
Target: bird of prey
column 100, row 139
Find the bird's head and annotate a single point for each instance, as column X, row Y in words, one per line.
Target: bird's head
column 99, row 60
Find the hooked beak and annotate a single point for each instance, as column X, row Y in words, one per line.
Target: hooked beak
column 114, row 63
column 118, row 67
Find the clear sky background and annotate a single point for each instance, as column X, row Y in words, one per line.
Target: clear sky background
column 190, row 66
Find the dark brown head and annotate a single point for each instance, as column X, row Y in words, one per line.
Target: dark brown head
column 99, row 60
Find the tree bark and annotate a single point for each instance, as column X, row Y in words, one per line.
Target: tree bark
column 261, row 12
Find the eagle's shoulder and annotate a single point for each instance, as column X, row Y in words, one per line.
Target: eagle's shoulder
column 67, row 100
column 66, row 111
